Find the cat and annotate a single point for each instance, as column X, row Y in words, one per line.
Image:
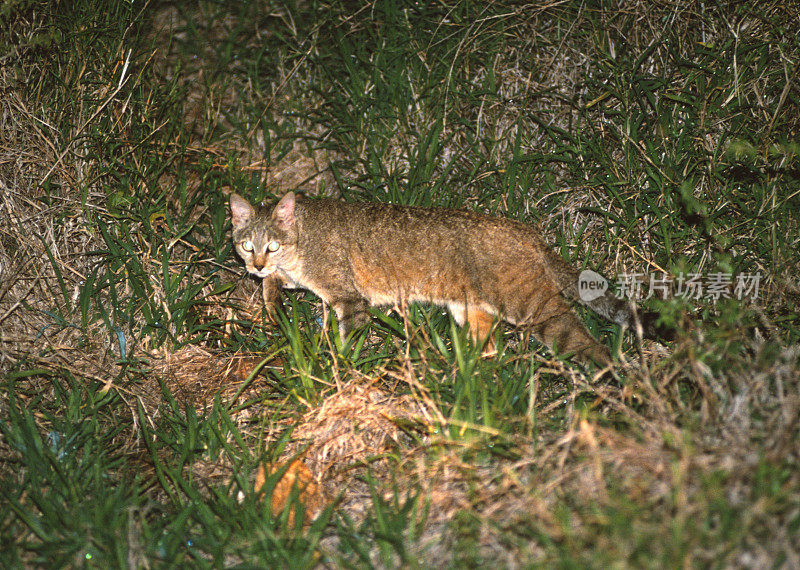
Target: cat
column 482, row 268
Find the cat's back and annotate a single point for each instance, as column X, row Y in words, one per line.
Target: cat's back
column 371, row 221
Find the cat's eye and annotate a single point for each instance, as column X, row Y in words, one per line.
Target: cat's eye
column 273, row 245
column 248, row 245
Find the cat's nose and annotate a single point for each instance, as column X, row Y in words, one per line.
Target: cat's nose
column 259, row 262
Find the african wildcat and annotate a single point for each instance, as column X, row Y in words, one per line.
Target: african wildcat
column 480, row 267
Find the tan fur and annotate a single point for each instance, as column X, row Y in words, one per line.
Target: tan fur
column 481, row 268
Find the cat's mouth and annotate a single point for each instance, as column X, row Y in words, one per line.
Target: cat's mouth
column 263, row 272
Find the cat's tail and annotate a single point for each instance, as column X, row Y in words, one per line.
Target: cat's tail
column 625, row 314
column 606, row 304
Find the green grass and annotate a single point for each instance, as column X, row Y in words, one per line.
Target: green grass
column 643, row 139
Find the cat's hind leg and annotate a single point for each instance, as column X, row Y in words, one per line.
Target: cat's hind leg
column 480, row 325
column 555, row 323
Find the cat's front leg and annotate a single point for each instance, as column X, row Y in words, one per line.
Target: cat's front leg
column 271, row 295
column 351, row 314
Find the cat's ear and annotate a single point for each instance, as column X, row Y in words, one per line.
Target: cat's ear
column 283, row 214
column 241, row 211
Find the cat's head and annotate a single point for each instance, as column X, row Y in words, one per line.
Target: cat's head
column 265, row 240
